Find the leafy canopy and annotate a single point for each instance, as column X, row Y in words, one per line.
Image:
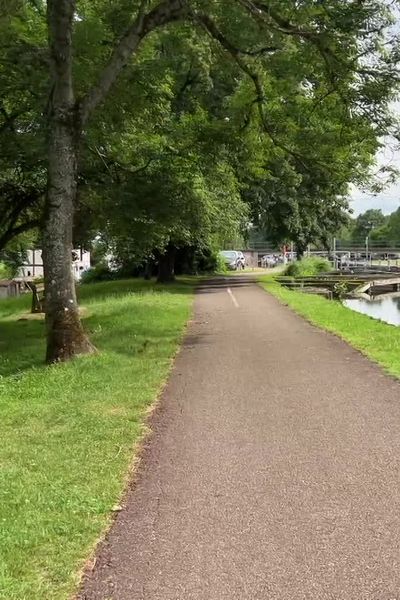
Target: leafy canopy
column 278, row 104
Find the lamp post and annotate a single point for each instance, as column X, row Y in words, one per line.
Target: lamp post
column 369, row 228
column 335, row 260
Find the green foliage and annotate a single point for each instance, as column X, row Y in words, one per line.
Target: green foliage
column 5, row 271
column 307, row 267
column 388, row 231
column 219, row 264
column 366, row 223
column 100, row 272
column 194, row 260
column 14, row 256
column 340, row 289
column 185, row 113
column 381, row 229
column 24, row 82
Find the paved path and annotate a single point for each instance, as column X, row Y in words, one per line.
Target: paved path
column 273, row 471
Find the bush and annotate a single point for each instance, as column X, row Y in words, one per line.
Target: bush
column 10, row 262
column 307, row 267
column 220, row 264
column 101, row 272
column 5, row 271
column 192, row 261
column 209, row 261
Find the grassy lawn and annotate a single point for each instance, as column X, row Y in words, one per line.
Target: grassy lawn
column 377, row 340
column 68, row 432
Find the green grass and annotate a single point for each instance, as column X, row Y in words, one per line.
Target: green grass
column 377, row 340
column 68, row 432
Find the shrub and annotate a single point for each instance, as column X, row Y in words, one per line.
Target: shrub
column 208, row 260
column 307, row 267
column 220, row 264
column 101, row 272
column 10, row 262
column 5, row 271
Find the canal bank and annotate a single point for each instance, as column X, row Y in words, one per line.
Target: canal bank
column 377, row 340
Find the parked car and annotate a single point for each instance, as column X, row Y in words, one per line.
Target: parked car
column 234, row 259
column 270, row 260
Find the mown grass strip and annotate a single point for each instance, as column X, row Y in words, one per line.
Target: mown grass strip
column 68, row 432
column 377, row 340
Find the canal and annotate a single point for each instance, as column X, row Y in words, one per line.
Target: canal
column 384, row 308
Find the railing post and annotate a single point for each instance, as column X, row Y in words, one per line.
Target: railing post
column 335, row 262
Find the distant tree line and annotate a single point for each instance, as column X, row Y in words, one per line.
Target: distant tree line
column 374, row 225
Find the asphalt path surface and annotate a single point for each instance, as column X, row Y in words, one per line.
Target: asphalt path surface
column 272, row 472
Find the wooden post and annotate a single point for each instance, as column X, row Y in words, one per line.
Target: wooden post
column 37, row 305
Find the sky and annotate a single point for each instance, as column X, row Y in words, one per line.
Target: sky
column 389, row 199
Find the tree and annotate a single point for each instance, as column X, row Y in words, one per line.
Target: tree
column 183, row 191
column 325, row 50
column 368, row 222
column 298, row 210
column 388, row 233
column 302, row 197
column 24, row 86
column 169, row 207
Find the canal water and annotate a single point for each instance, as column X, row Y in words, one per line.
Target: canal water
column 384, row 308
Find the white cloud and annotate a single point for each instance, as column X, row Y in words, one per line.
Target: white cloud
column 389, row 199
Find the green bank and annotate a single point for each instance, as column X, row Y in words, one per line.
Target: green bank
column 377, row 340
column 69, row 432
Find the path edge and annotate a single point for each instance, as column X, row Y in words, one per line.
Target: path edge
column 140, row 452
column 383, row 368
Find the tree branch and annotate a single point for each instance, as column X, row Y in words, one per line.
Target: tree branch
column 19, row 200
column 9, row 119
column 115, row 168
column 214, row 32
column 60, row 15
column 165, row 12
column 265, row 12
column 13, row 232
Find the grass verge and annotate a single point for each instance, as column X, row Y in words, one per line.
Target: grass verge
column 68, row 432
column 377, row 340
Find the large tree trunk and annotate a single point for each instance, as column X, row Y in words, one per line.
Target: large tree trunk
column 147, row 271
column 65, row 335
column 300, row 252
column 166, row 265
column 184, row 263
